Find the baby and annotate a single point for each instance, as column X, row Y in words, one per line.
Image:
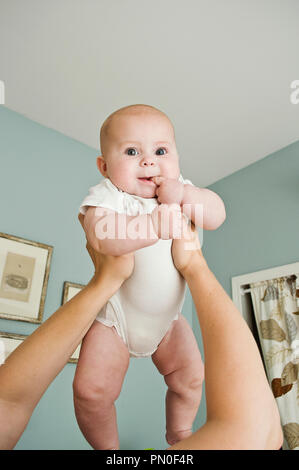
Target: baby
column 142, row 187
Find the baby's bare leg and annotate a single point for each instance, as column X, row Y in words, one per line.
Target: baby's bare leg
column 179, row 360
column 102, row 365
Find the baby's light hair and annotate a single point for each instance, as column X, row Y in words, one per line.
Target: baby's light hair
column 133, row 109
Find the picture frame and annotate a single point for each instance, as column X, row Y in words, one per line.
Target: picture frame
column 24, row 274
column 70, row 289
column 8, row 343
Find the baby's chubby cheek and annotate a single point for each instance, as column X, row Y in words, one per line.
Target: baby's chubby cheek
column 121, row 177
column 170, row 170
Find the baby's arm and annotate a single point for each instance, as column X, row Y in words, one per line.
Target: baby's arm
column 211, row 213
column 124, row 230
column 213, row 209
column 111, row 233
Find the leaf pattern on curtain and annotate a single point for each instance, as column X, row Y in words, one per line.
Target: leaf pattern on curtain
column 270, row 329
column 291, row 326
column 289, row 373
column 291, row 431
column 276, row 309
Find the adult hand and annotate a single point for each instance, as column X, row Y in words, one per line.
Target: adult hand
column 116, row 268
column 186, row 252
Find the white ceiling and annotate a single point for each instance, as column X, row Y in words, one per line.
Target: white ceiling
column 221, row 70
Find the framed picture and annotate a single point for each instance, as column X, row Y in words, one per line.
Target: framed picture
column 24, row 274
column 8, row 343
column 70, row 289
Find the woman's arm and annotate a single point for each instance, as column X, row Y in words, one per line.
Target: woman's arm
column 30, row 369
column 241, row 409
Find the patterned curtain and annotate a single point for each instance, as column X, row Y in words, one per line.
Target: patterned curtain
column 276, row 310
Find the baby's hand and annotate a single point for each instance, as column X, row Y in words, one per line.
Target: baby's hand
column 169, row 191
column 168, row 221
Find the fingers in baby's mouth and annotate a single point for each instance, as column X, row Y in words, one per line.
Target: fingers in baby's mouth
column 157, row 179
column 148, row 178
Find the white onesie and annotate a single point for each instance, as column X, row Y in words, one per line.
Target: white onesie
column 146, row 304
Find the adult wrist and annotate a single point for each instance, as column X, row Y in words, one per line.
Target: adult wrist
column 106, row 283
column 195, row 268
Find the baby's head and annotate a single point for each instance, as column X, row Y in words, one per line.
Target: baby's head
column 138, row 142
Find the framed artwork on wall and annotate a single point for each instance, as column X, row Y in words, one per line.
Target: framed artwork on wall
column 24, row 274
column 8, row 343
column 70, row 289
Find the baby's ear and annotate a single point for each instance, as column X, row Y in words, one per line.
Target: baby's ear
column 102, row 165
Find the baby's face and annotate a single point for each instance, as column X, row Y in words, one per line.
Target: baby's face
column 140, row 147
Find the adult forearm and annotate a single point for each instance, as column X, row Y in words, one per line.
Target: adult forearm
column 231, row 355
column 30, row 369
column 230, row 350
column 14, row 418
column 237, row 392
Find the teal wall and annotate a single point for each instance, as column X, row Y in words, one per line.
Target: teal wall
column 44, row 176
column 262, row 225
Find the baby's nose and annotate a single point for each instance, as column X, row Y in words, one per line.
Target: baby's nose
column 148, row 161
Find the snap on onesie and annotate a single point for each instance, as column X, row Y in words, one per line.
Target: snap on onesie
column 147, row 303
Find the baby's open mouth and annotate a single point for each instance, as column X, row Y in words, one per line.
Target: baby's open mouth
column 147, row 179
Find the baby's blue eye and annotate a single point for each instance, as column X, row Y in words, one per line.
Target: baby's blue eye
column 131, row 151
column 161, row 151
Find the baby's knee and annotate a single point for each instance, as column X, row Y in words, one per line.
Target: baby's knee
column 98, row 392
column 194, row 382
column 195, row 385
column 197, row 376
column 186, row 382
column 200, row 372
